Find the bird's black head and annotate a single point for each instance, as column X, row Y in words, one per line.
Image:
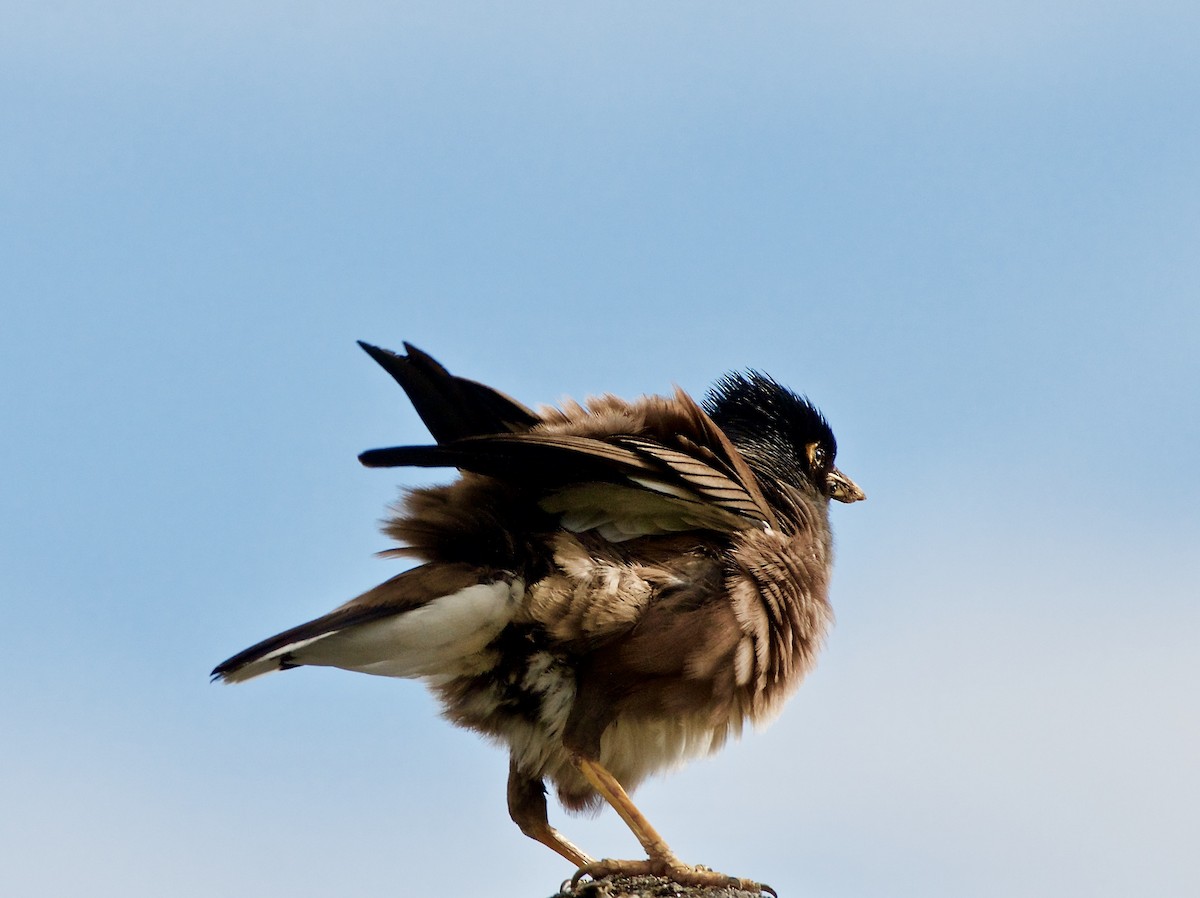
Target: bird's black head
column 783, row 437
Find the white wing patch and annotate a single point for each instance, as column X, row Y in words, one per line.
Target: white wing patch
column 440, row 638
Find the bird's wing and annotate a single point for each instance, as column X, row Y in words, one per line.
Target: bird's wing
column 428, row 621
column 452, row 407
column 681, row 471
column 612, row 479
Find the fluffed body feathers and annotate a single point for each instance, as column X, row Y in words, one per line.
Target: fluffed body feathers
column 627, row 581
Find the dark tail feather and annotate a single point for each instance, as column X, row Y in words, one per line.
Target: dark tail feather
column 451, row 407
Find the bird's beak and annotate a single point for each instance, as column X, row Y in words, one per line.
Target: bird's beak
column 839, row 486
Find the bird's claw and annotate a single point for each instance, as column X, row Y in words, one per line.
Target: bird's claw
column 684, row 874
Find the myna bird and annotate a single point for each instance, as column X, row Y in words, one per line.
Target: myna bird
column 608, row 589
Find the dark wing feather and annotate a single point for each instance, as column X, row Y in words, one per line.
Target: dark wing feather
column 705, row 480
column 451, row 407
column 550, row 459
column 551, row 462
column 713, row 444
column 677, row 451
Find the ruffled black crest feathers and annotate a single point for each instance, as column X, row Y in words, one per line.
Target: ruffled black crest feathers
column 764, row 418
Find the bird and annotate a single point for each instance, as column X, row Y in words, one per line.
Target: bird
column 607, row 588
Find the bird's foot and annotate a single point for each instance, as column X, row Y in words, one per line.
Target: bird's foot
column 669, row 868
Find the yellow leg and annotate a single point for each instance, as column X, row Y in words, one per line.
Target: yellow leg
column 661, row 860
column 555, row 841
column 527, row 807
column 614, row 793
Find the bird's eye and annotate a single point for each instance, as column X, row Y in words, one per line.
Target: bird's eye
column 816, row 456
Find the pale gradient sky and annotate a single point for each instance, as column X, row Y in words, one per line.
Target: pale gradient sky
column 969, row 232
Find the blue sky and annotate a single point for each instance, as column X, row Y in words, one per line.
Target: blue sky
column 969, row 232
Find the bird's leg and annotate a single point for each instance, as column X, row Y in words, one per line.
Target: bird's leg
column 661, row 860
column 614, row 793
column 527, row 807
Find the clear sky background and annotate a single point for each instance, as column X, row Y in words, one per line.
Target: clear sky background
column 970, row 232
